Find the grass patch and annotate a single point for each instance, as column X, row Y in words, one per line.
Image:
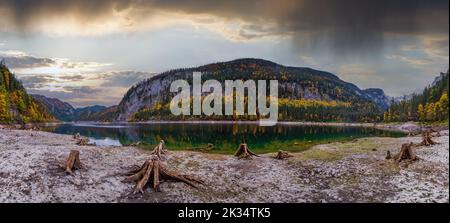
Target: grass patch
column 336, row 151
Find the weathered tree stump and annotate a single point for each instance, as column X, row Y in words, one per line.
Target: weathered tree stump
column 152, row 172
column 160, row 149
column 73, row 162
column 426, row 139
column 406, row 153
column 388, row 155
column 281, row 155
column 243, row 152
column 76, row 136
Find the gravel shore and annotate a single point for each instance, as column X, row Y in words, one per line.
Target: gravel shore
column 353, row 171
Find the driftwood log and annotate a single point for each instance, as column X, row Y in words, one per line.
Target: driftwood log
column 243, row 152
column 73, row 162
column 160, row 149
column 406, row 153
column 152, row 172
column 281, row 155
column 426, row 139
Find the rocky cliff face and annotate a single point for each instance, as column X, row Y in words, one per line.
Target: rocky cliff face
column 378, row 97
column 294, row 83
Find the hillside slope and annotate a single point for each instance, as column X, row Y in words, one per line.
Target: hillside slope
column 16, row 106
column 430, row 105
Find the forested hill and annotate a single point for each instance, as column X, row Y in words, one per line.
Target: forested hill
column 16, row 106
column 429, row 106
column 305, row 94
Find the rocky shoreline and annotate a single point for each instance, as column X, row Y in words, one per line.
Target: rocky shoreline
column 353, row 171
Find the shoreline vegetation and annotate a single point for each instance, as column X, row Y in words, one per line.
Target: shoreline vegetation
column 354, row 171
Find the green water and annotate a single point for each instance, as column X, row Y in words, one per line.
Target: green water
column 224, row 137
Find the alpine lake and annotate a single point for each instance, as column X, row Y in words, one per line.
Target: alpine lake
column 223, row 138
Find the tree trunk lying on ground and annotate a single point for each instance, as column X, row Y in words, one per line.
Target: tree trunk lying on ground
column 406, row 153
column 73, row 162
column 160, row 149
column 426, row 139
column 281, row 155
column 151, row 174
column 243, row 152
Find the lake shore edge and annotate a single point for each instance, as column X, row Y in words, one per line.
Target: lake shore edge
column 406, row 127
column 353, row 171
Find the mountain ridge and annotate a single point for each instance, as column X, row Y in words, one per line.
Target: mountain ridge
column 295, row 83
column 64, row 111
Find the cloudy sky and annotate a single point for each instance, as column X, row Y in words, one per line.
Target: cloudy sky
column 90, row 52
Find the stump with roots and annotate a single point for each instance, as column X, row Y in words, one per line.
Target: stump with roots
column 76, row 136
column 426, row 139
column 73, row 162
column 388, row 155
column 152, row 172
column 281, row 155
column 243, row 152
column 160, row 149
column 406, row 153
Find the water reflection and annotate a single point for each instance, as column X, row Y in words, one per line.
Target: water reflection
column 224, row 137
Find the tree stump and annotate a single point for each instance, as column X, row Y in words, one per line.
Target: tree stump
column 76, row 136
column 388, row 155
column 152, row 172
column 243, row 152
column 426, row 139
column 406, row 153
column 160, row 149
column 73, row 162
column 281, row 155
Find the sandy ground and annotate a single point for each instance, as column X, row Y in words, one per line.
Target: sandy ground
column 353, row 171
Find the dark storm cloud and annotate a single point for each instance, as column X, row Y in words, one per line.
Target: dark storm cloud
column 339, row 24
column 72, row 78
column 83, row 90
column 36, row 82
column 27, row 62
column 124, row 78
